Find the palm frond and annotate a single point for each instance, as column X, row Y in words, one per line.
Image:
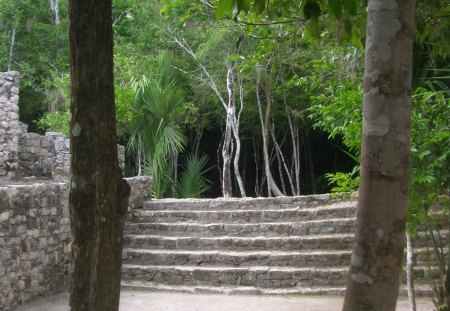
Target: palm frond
column 193, row 183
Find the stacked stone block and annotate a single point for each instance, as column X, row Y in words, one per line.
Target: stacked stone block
column 35, row 239
column 9, row 123
column 268, row 246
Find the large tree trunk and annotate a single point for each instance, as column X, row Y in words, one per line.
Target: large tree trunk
column 376, row 262
column 98, row 194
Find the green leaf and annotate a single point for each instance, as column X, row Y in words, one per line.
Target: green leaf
column 311, row 10
column 350, row 6
column 313, row 27
column 336, row 8
column 243, row 5
column 348, row 27
column 225, row 7
column 259, row 6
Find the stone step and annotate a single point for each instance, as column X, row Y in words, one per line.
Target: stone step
column 318, row 259
column 309, row 227
column 424, row 256
column 244, row 203
column 320, row 241
column 420, row 290
column 246, row 216
column 423, row 239
column 231, row 290
column 258, row 276
column 424, row 275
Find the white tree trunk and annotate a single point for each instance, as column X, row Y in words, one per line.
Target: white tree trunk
column 282, row 161
column 54, row 7
column 232, row 121
column 271, row 186
column 237, row 155
column 409, row 273
column 11, row 48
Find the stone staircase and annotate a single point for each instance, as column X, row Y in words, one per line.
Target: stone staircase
column 269, row 246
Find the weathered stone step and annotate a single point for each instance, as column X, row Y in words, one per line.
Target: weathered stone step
column 244, row 203
column 247, row 216
column 420, row 290
column 320, row 241
column 310, row 227
column 231, row 290
column 424, row 256
column 424, row 275
column 238, row 259
column 423, row 239
column 264, row 277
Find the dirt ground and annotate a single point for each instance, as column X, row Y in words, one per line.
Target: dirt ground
column 142, row 301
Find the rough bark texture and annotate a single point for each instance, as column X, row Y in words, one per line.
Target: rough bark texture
column 98, row 194
column 373, row 281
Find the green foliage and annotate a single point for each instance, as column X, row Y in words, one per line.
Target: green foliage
column 156, row 135
column 432, row 26
column 55, row 122
column 337, row 110
column 192, row 182
column 344, row 182
column 430, row 152
column 429, row 195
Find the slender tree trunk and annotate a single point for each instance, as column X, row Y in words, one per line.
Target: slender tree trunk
column 256, row 153
column 54, row 7
column 268, row 92
column 237, row 138
column 282, row 161
column 265, row 121
column 98, row 194
column 410, row 273
column 11, row 48
column 373, row 282
column 227, row 190
column 232, row 122
column 312, row 173
column 295, row 149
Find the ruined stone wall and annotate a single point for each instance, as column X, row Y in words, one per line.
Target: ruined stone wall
column 35, row 237
column 9, row 122
column 30, row 154
column 49, row 155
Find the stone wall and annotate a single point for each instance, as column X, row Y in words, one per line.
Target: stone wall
column 30, row 154
column 49, row 155
column 9, row 122
column 35, row 237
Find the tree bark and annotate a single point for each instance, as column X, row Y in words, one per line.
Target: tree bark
column 309, row 159
column 295, row 148
column 232, row 121
column 54, row 7
column 237, row 138
column 265, row 124
column 11, row 48
column 98, row 194
column 373, row 282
